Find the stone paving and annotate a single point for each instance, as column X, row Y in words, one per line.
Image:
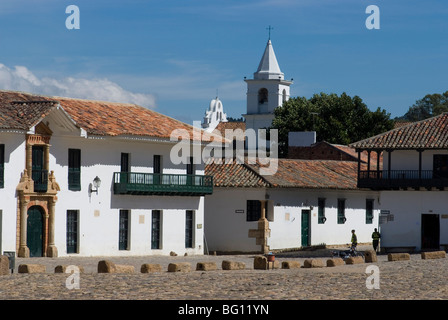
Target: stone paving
column 412, row 279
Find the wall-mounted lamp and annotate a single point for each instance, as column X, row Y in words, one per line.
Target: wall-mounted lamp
column 96, row 185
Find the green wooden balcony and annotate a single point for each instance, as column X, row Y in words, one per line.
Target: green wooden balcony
column 162, row 184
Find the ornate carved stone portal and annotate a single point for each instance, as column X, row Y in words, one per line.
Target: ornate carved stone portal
column 44, row 196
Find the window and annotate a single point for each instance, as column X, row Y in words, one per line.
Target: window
column 72, row 231
column 123, row 233
column 440, row 166
column 2, row 165
column 190, row 166
column 369, row 211
column 189, row 222
column 74, row 169
column 341, row 211
column 321, row 211
column 124, row 168
column 155, row 229
column 124, row 165
column 253, row 212
column 157, row 163
column 157, row 168
column 38, row 172
column 190, row 171
column 262, row 95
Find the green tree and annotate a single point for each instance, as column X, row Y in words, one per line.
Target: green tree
column 429, row 106
column 336, row 119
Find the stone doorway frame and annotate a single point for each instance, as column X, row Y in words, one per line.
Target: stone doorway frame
column 27, row 197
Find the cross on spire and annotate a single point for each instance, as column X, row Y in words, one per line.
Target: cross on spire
column 269, row 28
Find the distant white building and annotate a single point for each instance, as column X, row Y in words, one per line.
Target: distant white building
column 95, row 178
column 305, row 203
column 214, row 115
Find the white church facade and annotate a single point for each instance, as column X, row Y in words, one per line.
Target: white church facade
column 90, row 178
column 214, row 115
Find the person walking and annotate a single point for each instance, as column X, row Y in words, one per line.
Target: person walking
column 375, row 239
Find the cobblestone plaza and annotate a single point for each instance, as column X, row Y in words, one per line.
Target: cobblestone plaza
column 398, row 280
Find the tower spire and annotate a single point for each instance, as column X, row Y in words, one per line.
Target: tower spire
column 268, row 67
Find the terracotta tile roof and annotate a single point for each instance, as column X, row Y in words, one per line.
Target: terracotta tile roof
column 290, row 173
column 234, row 174
column 14, row 114
column 314, row 174
column 324, row 150
column 364, row 155
column 232, row 125
column 401, row 123
column 431, row 133
column 95, row 117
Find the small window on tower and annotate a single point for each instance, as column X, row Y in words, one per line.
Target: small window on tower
column 262, row 95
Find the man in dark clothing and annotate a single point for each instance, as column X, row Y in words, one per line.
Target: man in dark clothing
column 376, row 239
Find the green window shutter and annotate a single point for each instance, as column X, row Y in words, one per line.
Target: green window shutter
column 369, row 211
column 74, row 169
column 321, row 211
column 341, row 211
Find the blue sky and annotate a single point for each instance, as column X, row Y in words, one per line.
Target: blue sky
column 174, row 55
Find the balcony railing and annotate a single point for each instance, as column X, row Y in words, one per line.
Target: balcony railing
column 162, row 184
column 396, row 179
column 40, row 178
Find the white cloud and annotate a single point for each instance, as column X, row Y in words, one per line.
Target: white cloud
column 21, row 79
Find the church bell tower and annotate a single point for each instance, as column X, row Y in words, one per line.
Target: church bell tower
column 266, row 91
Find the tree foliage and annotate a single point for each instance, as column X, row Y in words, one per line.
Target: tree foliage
column 429, row 106
column 336, row 119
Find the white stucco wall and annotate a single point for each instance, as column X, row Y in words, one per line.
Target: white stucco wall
column 99, row 213
column 407, row 208
column 226, row 228
column 14, row 165
column 409, row 159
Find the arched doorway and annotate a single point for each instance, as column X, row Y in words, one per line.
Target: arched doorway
column 34, row 231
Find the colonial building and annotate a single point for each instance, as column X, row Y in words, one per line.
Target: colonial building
column 302, row 203
column 412, row 181
column 90, row 178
